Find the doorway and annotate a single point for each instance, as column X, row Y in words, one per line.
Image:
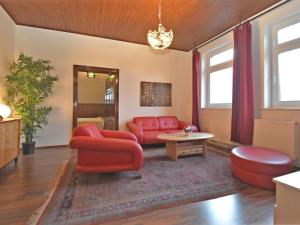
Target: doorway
column 96, row 96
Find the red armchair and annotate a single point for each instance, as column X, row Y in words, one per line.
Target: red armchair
column 147, row 128
column 101, row 151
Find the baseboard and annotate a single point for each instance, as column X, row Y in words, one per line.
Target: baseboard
column 297, row 163
column 51, row 146
column 221, row 146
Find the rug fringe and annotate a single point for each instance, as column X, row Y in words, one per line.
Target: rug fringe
column 34, row 219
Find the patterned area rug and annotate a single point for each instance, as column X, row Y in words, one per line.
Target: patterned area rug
column 101, row 198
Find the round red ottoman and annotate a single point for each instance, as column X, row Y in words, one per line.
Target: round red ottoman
column 258, row 166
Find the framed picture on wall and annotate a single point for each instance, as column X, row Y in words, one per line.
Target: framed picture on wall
column 156, row 94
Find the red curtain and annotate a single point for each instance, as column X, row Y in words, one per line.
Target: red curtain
column 242, row 93
column 196, row 88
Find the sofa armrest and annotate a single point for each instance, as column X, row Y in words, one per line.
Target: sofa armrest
column 118, row 134
column 85, row 143
column 183, row 124
column 136, row 130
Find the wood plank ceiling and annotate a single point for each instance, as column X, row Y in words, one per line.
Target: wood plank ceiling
column 193, row 21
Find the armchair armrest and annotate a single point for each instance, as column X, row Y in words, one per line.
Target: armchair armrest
column 85, row 143
column 183, row 124
column 118, row 134
column 103, row 144
column 136, row 130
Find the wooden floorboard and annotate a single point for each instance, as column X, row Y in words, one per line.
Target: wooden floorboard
column 251, row 206
column 23, row 187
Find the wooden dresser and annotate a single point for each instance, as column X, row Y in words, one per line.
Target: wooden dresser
column 9, row 140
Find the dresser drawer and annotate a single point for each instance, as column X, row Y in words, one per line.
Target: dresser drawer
column 9, row 140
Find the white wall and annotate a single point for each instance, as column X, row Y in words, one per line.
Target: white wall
column 7, row 47
column 182, row 92
column 136, row 63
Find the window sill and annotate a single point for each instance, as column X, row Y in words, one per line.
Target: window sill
column 216, row 108
column 282, row 108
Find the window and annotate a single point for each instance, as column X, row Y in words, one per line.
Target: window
column 286, row 64
column 219, row 77
column 289, row 33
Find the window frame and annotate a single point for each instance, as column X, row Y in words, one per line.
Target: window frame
column 210, row 69
column 276, row 49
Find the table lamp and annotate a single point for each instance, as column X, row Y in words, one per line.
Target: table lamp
column 5, row 111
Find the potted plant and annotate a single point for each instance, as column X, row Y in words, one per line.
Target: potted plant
column 28, row 86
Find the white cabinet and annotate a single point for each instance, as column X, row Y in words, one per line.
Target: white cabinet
column 287, row 207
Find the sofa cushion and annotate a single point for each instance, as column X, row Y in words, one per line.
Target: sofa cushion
column 90, row 130
column 150, row 137
column 147, row 123
column 168, row 122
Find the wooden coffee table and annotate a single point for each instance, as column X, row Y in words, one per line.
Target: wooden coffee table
column 180, row 144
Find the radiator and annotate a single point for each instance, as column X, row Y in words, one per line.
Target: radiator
column 276, row 134
column 279, row 135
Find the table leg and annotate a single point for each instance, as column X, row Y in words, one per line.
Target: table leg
column 204, row 147
column 172, row 150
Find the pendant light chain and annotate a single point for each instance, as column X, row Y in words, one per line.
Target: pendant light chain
column 159, row 11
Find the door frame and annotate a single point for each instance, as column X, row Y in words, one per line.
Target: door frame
column 82, row 68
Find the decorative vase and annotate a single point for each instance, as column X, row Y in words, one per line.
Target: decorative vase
column 28, row 148
column 187, row 130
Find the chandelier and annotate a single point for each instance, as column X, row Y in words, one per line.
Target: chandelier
column 160, row 39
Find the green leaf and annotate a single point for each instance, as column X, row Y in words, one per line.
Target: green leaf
column 28, row 85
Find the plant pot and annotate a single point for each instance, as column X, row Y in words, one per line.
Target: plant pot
column 28, row 148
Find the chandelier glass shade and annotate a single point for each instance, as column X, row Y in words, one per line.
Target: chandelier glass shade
column 160, row 39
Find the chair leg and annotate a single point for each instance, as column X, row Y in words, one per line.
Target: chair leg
column 75, row 181
column 139, row 174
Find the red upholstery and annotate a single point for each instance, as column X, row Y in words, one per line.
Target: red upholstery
column 118, row 134
column 114, row 151
column 168, row 122
column 147, row 123
column 150, row 137
column 255, row 179
column 136, row 130
column 258, row 166
column 147, row 128
column 87, row 130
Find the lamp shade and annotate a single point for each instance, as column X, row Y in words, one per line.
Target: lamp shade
column 4, row 111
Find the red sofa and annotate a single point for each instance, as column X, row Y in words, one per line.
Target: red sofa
column 147, row 128
column 101, row 151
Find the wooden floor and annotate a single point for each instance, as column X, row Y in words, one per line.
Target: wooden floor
column 23, row 187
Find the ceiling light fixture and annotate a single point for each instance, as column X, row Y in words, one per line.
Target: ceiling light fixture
column 160, row 39
column 91, row 75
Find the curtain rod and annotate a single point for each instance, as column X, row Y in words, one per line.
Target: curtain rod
column 249, row 19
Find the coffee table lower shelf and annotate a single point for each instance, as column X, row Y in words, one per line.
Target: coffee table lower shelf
column 175, row 149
